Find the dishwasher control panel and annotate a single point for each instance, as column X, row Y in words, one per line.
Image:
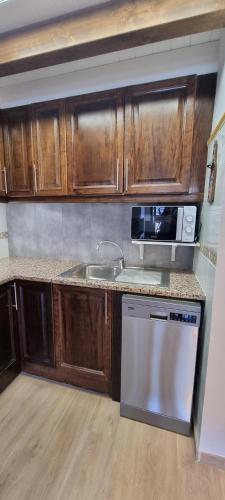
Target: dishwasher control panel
column 183, row 317
column 166, row 310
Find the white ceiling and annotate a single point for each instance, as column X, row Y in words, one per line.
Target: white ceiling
column 15, row 14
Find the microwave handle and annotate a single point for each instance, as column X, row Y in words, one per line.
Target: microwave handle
column 180, row 216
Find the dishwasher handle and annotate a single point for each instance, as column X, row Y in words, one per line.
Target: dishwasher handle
column 162, row 317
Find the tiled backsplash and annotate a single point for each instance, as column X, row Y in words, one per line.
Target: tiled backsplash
column 72, row 231
column 4, row 251
column 211, row 213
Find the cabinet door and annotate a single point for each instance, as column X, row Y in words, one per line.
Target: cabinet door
column 16, row 145
column 158, row 137
column 48, row 148
column 95, row 144
column 83, row 336
column 35, row 323
column 9, row 353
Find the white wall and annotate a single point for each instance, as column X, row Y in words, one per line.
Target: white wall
column 210, row 424
column 220, row 92
column 212, row 437
column 205, row 262
column 4, row 251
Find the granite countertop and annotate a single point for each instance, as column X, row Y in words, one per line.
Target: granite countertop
column 182, row 285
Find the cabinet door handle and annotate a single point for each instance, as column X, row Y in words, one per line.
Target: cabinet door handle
column 126, row 173
column 15, row 296
column 117, row 173
column 35, row 178
column 5, row 180
column 106, row 308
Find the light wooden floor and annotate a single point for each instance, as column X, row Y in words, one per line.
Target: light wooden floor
column 58, row 443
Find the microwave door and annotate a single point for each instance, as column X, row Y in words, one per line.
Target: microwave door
column 157, row 223
column 180, row 214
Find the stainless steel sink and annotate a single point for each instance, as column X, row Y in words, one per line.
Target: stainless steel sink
column 93, row 272
column 143, row 276
column 132, row 275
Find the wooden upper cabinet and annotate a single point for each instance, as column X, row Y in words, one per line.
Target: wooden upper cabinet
column 147, row 139
column 95, row 144
column 16, row 147
column 48, row 139
column 158, row 137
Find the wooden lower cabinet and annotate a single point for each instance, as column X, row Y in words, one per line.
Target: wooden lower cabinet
column 9, row 347
column 67, row 339
column 35, row 323
column 82, row 318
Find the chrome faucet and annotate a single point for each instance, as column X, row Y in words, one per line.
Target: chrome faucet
column 120, row 260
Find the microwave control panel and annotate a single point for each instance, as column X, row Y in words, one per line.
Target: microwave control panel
column 189, row 222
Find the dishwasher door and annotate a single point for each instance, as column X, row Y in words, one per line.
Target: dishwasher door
column 158, row 361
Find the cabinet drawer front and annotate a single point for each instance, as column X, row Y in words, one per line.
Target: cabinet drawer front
column 158, row 137
column 95, row 145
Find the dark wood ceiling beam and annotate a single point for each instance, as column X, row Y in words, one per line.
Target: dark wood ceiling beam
column 116, row 26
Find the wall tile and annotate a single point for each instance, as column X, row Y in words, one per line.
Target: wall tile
column 72, row 230
column 48, row 229
column 4, row 249
column 211, row 213
column 200, row 267
column 23, row 229
column 3, row 223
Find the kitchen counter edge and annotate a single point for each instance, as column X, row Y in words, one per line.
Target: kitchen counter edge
column 182, row 284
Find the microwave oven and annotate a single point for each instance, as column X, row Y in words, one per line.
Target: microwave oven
column 164, row 223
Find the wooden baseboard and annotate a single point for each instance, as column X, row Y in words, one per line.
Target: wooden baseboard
column 210, row 459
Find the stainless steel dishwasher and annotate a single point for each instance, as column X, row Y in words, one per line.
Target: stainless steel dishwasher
column 159, row 347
